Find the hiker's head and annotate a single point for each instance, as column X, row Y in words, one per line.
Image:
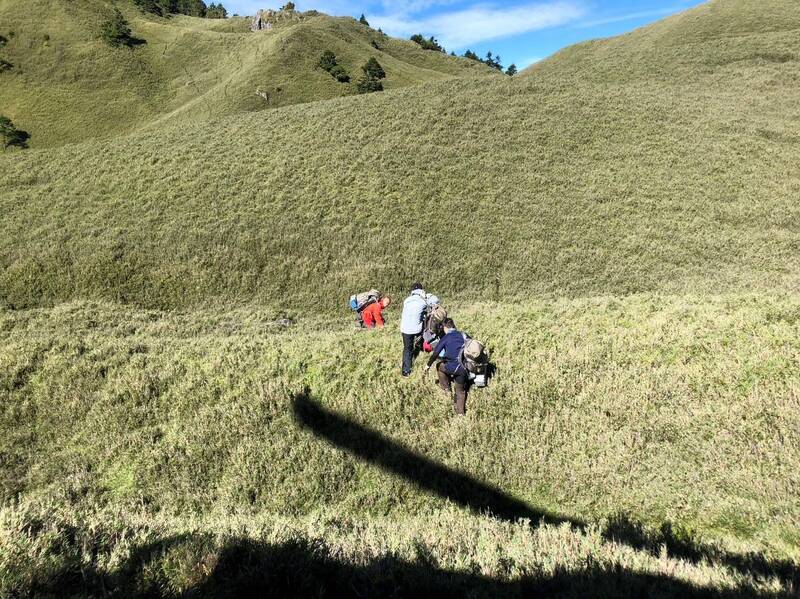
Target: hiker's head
column 416, row 287
column 385, row 301
column 448, row 325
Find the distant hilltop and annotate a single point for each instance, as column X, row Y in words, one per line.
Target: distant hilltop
column 266, row 19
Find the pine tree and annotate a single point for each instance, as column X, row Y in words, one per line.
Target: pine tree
column 373, row 69
column 512, row 70
column 116, row 31
column 371, row 81
column 363, row 20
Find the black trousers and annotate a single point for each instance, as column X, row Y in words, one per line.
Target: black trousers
column 410, row 351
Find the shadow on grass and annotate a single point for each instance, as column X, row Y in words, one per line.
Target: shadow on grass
column 373, row 447
column 133, row 42
column 192, row 566
column 200, row 565
column 431, row 476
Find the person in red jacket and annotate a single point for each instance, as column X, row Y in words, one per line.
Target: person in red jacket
column 372, row 316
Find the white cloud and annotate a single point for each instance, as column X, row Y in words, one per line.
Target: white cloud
column 645, row 14
column 408, row 7
column 459, row 29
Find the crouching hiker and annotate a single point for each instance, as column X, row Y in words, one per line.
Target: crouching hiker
column 414, row 309
column 372, row 315
column 450, row 369
column 361, row 301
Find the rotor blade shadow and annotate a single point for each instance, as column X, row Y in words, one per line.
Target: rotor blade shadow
column 375, row 448
column 426, row 474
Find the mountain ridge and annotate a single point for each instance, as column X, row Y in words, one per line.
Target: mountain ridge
column 67, row 85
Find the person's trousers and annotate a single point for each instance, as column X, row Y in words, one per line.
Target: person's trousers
column 460, row 382
column 409, row 351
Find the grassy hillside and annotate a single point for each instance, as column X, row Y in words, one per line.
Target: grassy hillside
column 491, row 188
column 662, row 418
column 620, row 225
column 721, row 38
column 67, row 85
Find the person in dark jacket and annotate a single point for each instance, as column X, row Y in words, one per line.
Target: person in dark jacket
column 450, row 369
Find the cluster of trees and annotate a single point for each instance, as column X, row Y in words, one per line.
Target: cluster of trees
column 216, row 11
column 371, row 80
column 327, row 62
column 493, row 61
column 427, row 44
column 193, row 8
column 12, row 136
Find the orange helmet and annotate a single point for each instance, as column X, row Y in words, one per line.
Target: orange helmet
column 385, row 301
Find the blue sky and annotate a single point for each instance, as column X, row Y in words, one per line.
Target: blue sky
column 520, row 31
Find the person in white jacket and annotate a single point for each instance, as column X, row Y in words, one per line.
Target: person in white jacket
column 414, row 309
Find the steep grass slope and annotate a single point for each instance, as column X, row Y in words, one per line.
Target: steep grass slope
column 637, row 445
column 483, row 188
column 624, row 237
column 717, row 39
column 67, row 85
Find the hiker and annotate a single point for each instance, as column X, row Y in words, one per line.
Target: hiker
column 432, row 328
column 361, row 301
column 450, row 369
column 372, row 315
column 414, row 309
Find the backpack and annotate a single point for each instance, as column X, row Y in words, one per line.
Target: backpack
column 436, row 316
column 473, row 356
column 361, row 300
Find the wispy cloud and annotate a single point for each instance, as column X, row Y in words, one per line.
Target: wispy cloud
column 413, row 6
column 457, row 30
column 644, row 14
